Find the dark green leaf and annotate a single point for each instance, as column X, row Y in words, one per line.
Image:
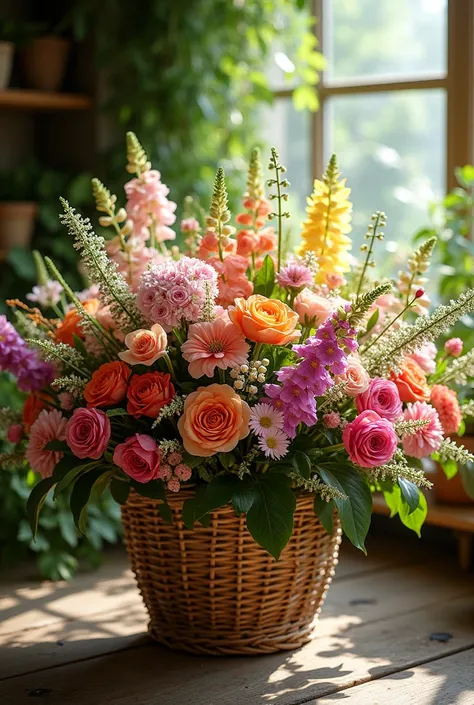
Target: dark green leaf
column 116, row 412
column 467, row 477
column 36, row 500
column 81, row 494
column 244, row 496
column 217, row 493
column 70, row 476
column 410, row 493
column 119, row 490
column 325, row 511
column 373, row 320
column 165, row 512
column 355, row 510
column 154, row 489
column 301, row 463
column 57, row 445
column 264, row 282
column 414, row 520
column 192, row 461
column 270, row 517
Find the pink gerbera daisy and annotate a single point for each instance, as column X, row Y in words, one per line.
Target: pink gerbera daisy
column 214, row 344
column 49, row 426
column 428, row 438
column 275, row 444
column 265, row 419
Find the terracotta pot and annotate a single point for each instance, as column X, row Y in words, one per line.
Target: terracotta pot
column 6, row 60
column 452, row 491
column 44, row 63
column 17, row 219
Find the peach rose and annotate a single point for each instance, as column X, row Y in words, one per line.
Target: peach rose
column 145, row 346
column 411, row 382
column 108, row 385
column 214, row 420
column 356, row 378
column 70, row 325
column 312, row 308
column 265, row 320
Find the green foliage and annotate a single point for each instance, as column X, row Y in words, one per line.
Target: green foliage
column 401, row 500
column 264, row 282
column 325, row 511
column 270, row 517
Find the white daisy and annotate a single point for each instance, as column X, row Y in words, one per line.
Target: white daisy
column 274, row 444
column 265, row 419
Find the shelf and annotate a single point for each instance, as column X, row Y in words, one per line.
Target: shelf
column 20, row 99
column 452, row 516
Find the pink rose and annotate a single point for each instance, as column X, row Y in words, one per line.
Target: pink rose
column 356, row 378
column 370, row 441
column 15, row 433
column 381, row 396
column 88, row 433
column 139, row 457
column 145, row 346
column 311, row 307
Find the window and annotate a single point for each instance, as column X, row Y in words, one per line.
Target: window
column 395, row 107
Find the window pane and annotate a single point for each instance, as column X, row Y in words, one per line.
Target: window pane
column 289, row 131
column 371, row 39
column 391, row 147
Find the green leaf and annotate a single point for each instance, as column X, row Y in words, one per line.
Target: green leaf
column 414, row 520
column 117, row 412
column 325, row 512
column 154, row 489
column 165, row 512
column 227, row 459
column 192, row 461
column 264, row 282
column 70, row 476
column 373, row 320
column 450, row 468
column 270, row 517
column 467, row 477
column 216, row 494
column 244, row 496
column 355, row 510
column 119, row 489
column 301, row 463
column 393, row 499
column 36, row 500
column 81, row 494
column 410, row 493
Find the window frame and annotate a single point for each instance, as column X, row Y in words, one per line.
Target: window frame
column 457, row 81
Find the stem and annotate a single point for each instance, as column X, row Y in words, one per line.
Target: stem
column 256, row 351
column 389, row 325
column 369, row 253
column 169, row 365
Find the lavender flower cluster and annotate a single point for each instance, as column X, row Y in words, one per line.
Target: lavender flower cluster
column 31, row 371
column 321, row 355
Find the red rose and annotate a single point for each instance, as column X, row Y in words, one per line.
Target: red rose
column 149, row 393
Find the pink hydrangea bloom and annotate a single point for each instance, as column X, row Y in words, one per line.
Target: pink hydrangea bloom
column 425, row 356
column 148, row 204
column 214, row 344
column 49, row 426
column 427, row 439
column 176, row 290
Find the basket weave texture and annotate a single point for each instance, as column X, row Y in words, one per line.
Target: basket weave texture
column 214, row 591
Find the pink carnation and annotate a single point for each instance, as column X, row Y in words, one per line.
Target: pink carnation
column 425, row 356
column 49, row 426
column 139, row 457
column 88, row 433
column 427, row 439
column 382, row 397
column 370, row 440
column 445, row 401
column 214, row 344
column 295, row 276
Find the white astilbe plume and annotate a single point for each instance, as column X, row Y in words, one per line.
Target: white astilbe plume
column 459, row 370
column 409, row 427
column 26, row 327
column 467, row 409
column 72, row 383
column 114, row 289
column 398, row 467
column 333, row 395
column 174, row 408
column 244, row 467
column 314, row 484
column 61, row 353
column 450, row 450
column 387, row 354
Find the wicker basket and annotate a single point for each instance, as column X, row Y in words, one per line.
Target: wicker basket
column 215, row 591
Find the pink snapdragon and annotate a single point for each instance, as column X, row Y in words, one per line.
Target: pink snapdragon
column 148, row 207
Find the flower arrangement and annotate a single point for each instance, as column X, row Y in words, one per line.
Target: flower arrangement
column 230, row 367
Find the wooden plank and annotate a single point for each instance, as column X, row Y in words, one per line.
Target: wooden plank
column 459, row 517
column 22, row 99
column 331, row 662
column 446, row 681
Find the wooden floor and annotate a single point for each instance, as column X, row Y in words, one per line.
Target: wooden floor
column 397, row 628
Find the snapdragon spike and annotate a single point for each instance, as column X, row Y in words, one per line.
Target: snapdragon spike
column 25, row 364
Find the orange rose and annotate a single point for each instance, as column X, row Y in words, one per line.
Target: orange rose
column 214, row 420
column 33, row 405
column 149, row 393
column 411, row 382
column 265, row 320
column 145, row 346
column 108, row 384
column 70, row 325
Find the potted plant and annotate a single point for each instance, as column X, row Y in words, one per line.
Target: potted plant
column 18, row 206
column 240, row 406
column 45, row 60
